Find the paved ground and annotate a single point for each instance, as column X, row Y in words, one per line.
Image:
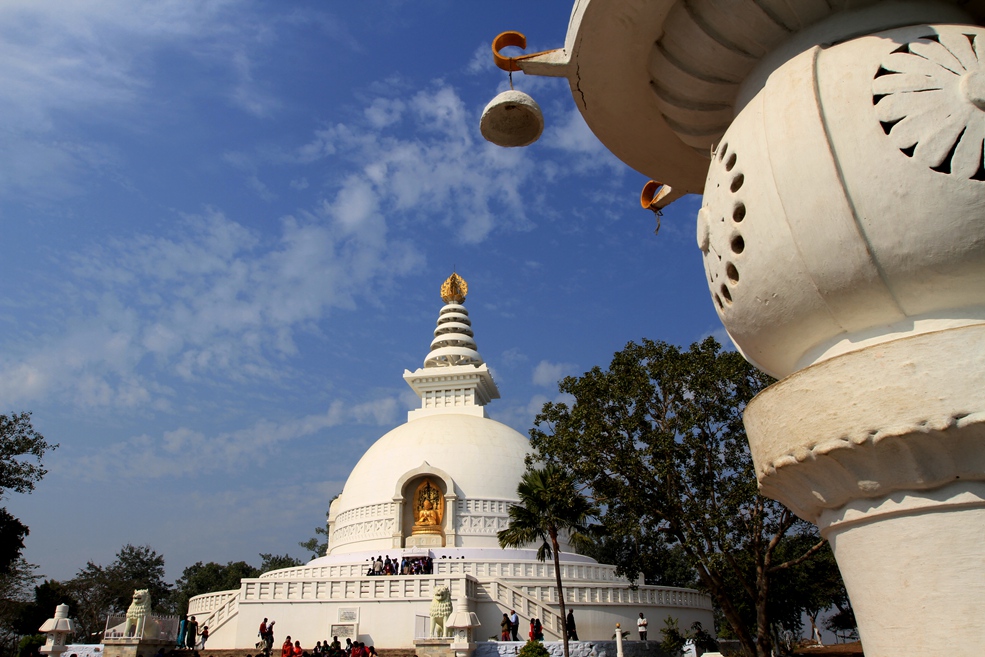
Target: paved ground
column 252, row 653
column 834, row 650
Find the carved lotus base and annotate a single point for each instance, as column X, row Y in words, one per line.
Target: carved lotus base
column 884, row 449
column 907, row 415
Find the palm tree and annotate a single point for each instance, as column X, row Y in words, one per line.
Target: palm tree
column 550, row 503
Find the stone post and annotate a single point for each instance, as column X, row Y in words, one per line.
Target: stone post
column 57, row 631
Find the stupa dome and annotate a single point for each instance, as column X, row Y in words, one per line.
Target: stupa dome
column 446, row 478
column 430, row 497
column 478, row 461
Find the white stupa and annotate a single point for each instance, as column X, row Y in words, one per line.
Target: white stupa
column 439, row 487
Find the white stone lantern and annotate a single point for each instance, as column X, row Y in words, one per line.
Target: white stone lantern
column 460, row 625
column 57, row 630
column 839, row 150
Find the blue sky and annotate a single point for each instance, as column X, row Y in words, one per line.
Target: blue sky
column 224, row 227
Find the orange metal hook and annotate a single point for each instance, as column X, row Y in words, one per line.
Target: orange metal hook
column 505, row 40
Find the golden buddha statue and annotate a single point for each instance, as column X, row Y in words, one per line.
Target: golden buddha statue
column 428, row 508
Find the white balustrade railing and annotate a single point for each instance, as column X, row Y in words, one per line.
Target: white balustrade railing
column 411, row 587
column 214, row 609
column 526, row 605
column 477, row 568
column 531, row 598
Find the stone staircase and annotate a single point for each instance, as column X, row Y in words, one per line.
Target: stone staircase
column 527, row 607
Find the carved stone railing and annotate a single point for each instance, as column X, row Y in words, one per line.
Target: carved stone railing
column 214, row 609
column 527, row 570
column 526, row 605
column 479, row 568
column 527, row 587
column 410, row 587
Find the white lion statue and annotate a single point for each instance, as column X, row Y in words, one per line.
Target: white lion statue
column 440, row 611
column 138, row 613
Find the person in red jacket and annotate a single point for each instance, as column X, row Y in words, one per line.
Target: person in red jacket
column 298, row 652
column 287, row 650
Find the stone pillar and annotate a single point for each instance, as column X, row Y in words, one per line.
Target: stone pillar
column 451, row 520
column 884, row 449
column 843, row 236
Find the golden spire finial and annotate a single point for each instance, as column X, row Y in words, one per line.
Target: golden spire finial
column 454, row 289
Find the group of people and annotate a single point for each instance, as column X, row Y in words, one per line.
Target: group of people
column 405, row 566
column 321, row 649
column 333, row 649
column 266, row 635
column 189, row 638
column 510, row 626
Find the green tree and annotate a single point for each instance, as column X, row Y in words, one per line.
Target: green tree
column 15, row 594
column 21, row 452
column 205, row 578
column 277, row 561
column 550, row 504
column 47, row 595
column 317, row 545
column 103, row 591
column 673, row 641
column 659, row 563
column 30, row 645
column 843, row 623
column 659, row 441
column 811, row 587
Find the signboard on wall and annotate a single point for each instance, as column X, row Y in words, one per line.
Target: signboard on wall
column 345, row 631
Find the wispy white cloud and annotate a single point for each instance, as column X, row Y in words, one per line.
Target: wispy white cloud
column 212, row 298
column 167, row 455
column 570, row 134
column 98, row 62
column 721, row 335
column 422, row 157
column 512, row 357
column 521, row 416
column 548, row 374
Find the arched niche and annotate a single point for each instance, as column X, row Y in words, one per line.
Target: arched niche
column 411, row 529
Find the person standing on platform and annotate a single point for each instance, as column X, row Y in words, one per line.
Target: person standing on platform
column 641, row 626
column 570, row 624
column 182, row 630
column 191, row 633
column 506, row 628
column 514, row 624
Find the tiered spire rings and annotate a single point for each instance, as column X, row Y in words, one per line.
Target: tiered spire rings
column 453, row 342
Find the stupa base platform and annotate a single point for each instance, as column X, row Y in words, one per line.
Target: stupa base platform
column 135, row 647
column 425, row 540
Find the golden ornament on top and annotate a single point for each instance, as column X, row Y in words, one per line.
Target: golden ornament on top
column 454, row 290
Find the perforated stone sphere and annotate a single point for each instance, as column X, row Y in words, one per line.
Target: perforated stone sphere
column 844, row 205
